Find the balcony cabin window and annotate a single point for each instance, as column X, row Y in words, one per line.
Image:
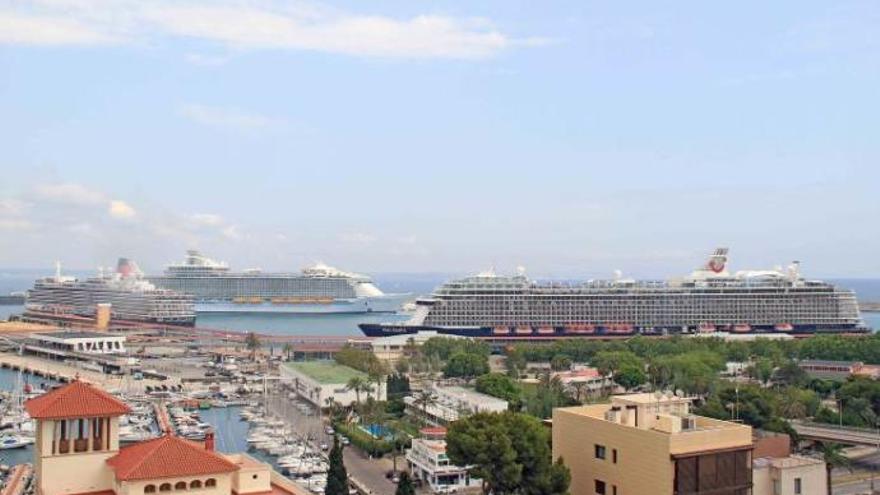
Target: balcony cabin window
column 210, row 483
column 165, row 487
column 180, row 485
column 150, row 489
column 196, row 484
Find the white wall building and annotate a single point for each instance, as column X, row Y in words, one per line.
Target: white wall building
column 454, row 402
column 318, row 381
column 392, row 348
column 427, row 461
column 82, row 342
column 792, row 475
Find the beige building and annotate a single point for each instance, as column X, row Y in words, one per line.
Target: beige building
column 394, row 347
column 792, row 475
column 77, row 452
column 650, row 444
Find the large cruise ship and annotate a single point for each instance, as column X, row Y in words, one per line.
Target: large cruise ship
column 710, row 300
column 131, row 298
column 317, row 289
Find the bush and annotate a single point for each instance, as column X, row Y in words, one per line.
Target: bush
column 374, row 446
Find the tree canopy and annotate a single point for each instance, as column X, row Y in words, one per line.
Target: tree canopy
column 510, row 452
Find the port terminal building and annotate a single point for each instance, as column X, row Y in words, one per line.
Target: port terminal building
column 319, row 381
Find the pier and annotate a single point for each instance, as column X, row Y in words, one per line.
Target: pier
column 18, row 480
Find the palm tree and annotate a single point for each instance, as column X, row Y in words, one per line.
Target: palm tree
column 832, row 454
column 578, row 387
column 252, row 342
column 287, row 349
column 357, row 384
column 425, row 398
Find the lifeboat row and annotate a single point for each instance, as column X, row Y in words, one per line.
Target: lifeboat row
column 574, row 329
column 621, row 329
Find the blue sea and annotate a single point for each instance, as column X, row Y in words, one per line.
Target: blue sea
column 347, row 324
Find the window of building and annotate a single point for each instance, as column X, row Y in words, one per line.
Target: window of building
column 210, row 483
column 600, row 487
column 599, row 451
column 613, row 489
column 797, row 486
column 150, row 489
column 165, row 487
column 180, row 485
column 614, row 456
column 195, row 484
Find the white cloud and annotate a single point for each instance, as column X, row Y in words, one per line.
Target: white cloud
column 121, row 210
column 70, row 193
column 46, row 30
column 207, row 219
column 231, row 232
column 357, row 238
column 15, row 224
column 226, row 118
column 252, row 26
column 12, row 207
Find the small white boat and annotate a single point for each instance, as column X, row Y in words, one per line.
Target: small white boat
column 14, row 441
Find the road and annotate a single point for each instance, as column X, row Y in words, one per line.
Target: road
column 369, row 472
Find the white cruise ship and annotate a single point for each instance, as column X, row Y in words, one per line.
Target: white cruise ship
column 317, row 289
column 131, row 298
column 710, row 299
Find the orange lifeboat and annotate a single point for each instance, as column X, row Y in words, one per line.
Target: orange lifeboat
column 546, row 330
column 501, row 330
column 706, row 328
column 618, row 328
column 580, row 328
column 523, row 330
column 742, row 328
column 783, row 327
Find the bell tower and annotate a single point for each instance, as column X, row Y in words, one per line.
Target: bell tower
column 77, row 430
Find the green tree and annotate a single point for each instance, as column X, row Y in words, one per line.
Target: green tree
column 548, row 395
column 288, row 350
column 405, row 485
column 510, row 452
column 832, row 454
column 425, row 399
column 514, row 362
column 791, row 374
column 466, row 365
column 357, row 384
column 252, row 343
column 761, row 369
column 625, row 367
column 501, row 386
column 337, row 476
column 560, row 362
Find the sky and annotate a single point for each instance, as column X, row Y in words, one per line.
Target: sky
column 573, row 138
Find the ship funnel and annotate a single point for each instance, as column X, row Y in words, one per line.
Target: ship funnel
column 717, row 261
column 127, row 268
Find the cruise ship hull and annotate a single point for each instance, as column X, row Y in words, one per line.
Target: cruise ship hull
column 385, row 304
column 538, row 333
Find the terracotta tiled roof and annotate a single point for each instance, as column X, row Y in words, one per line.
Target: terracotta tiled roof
column 165, row 457
column 77, row 399
column 102, row 492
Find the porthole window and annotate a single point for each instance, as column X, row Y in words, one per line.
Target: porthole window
column 180, row 485
column 150, row 489
column 165, row 487
column 210, row 483
column 195, row 484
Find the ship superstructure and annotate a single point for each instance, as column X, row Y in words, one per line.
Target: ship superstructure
column 317, row 289
column 710, row 299
column 130, row 296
